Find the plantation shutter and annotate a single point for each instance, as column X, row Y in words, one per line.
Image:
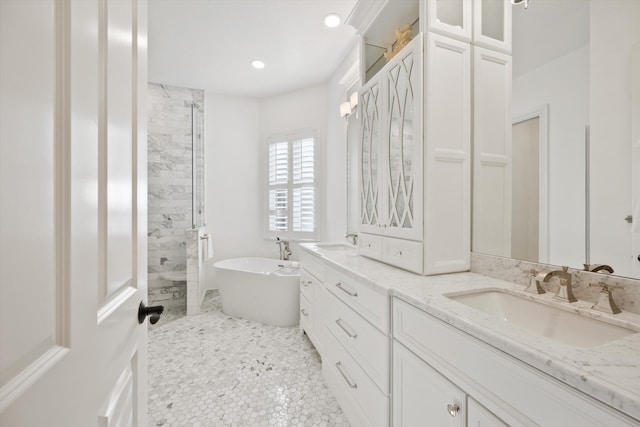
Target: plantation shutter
column 292, row 187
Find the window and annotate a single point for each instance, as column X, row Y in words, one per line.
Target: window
column 292, row 187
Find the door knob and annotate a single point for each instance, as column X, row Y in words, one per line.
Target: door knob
column 153, row 311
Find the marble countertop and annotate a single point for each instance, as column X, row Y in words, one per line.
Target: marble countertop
column 609, row 372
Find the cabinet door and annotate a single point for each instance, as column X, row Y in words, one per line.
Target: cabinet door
column 492, row 24
column 370, row 152
column 450, row 17
column 421, row 396
column 403, row 149
column 479, row 416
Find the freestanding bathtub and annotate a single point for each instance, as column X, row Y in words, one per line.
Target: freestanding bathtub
column 261, row 289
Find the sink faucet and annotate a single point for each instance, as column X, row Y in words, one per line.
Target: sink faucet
column 352, row 238
column 565, row 293
column 595, row 268
column 284, row 249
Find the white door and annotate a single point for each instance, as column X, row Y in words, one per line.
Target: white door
column 72, row 212
column 635, row 163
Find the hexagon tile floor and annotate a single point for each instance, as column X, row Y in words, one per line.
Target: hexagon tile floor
column 216, row 370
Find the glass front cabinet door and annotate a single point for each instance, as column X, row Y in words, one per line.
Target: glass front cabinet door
column 402, row 202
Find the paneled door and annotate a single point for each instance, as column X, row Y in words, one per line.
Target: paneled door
column 72, row 212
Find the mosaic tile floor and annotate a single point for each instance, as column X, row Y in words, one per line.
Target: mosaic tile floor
column 216, row 370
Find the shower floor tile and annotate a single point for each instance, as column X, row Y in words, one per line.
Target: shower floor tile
column 216, row 370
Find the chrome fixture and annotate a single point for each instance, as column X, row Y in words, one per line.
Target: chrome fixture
column 595, row 268
column 565, row 293
column 285, row 251
column 534, row 287
column 352, row 238
column 517, row 2
column 605, row 301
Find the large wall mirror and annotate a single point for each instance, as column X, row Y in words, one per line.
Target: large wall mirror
column 575, row 161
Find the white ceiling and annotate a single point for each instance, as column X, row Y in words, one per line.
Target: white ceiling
column 547, row 30
column 209, row 44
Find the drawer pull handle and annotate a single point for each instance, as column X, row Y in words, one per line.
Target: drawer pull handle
column 346, row 331
column 453, row 409
column 346, row 291
column 304, row 312
column 399, row 253
column 352, row 385
column 368, row 245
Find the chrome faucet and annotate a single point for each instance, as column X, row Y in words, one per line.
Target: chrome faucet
column 565, row 293
column 352, row 238
column 285, row 251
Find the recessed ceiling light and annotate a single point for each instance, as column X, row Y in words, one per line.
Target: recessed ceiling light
column 332, row 20
column 257, row 64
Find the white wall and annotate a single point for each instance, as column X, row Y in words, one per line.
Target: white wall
column 298, row 110
column 345, row 76
column 563, row 84
column 235, row 132
column 615, row 30
column 232, row 181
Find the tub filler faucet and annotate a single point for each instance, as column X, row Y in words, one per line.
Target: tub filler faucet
column 285, row 251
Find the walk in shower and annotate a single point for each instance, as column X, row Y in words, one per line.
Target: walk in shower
column 176, row 213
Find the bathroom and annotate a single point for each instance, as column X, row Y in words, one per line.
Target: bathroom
column 379, row 318
column 561, row 240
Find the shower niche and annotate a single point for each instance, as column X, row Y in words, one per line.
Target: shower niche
column 176, row 210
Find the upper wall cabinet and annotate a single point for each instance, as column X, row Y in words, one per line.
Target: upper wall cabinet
column 492, row 24
column 450, row 17
column 391, row 159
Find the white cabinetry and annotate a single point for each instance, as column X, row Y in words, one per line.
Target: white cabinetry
column 355, row 356
column 492, row 152
column 313, row 300
column 391, row 156
column 415, row 185
column 495, row 387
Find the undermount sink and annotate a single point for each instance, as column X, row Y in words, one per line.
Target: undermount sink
column 551, row 322
column 335, row 246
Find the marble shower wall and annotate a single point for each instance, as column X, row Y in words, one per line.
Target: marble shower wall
column 170, row 186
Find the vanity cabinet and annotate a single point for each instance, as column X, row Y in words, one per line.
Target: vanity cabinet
column 421, row 393
column 414, row 157
column 356, row 361
column 313, row 300
column 487, row 385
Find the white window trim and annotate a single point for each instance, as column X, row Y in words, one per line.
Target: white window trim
column 318, row 190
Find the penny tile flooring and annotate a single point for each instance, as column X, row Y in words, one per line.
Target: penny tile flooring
column 215, row 370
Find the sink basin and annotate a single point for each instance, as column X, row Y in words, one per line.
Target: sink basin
column 548, row 321
column 335, row 246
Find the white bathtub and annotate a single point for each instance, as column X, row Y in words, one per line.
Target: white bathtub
column 260, row 289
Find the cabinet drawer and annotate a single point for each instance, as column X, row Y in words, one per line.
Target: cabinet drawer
column 509, row 388
column 370, row 245
column 306, row 284
column 402, row 253
column 313, row 265
column 359, row 397
column 365, row 343
column 306, row 315
column 371, row 304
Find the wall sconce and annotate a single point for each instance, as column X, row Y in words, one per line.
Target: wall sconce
column 348, row 107
column 345, row 109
